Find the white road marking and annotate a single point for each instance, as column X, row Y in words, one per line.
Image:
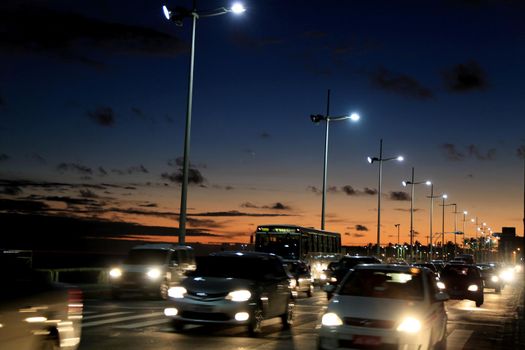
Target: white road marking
column 120, row 319
column 144, row 324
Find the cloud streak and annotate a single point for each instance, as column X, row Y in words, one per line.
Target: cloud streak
column 400, row 84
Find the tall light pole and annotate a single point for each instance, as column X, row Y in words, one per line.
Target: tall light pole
column 397, row 225
column 178, row 15
column 412, row 182
column 444, row 196
column 380, row 159
column 327, row 118
column 465, row 213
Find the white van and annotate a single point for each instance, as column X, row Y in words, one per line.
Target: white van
column 152, row 268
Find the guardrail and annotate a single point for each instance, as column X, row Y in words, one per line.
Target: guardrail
column 98, row 275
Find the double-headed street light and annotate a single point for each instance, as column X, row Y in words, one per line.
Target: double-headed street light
column 317, row 118
column 380, row 159
column 177, row 15
column 412, row 182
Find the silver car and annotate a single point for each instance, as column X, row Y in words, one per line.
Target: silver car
column 233, row 288
column 35, row 313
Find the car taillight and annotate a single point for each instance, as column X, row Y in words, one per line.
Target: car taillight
column 74, row 303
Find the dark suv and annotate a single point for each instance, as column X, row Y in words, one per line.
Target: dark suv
column 462, row 281
column 335, row 275
column 233, row 288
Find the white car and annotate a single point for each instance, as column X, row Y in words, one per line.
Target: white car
column 385, row 306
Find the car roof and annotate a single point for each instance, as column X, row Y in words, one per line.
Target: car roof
column 244, row 254
column 163, row 246
column 389, row 267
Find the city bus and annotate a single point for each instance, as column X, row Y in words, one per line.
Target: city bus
column 293, row 242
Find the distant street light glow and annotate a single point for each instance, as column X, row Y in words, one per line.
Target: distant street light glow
column 354, row 117
column 238, row 8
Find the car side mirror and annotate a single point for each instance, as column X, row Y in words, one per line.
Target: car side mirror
column 329, row 288
column 440, row 297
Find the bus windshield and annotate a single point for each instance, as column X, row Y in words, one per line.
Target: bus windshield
column 284, row 245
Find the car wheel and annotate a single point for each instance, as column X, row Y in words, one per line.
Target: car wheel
column 255, row 325
column 287, row 317
column 310, row 291
column 163, row 290
column 177, row 325
column 480, row 301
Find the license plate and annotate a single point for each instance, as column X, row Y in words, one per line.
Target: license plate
column 202, row 308
column 366, row 340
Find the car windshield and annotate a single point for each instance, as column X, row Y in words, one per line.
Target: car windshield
column 146, row 257
column 235, row 267
column 459, row 271
column 348, row 263
column 373, row 283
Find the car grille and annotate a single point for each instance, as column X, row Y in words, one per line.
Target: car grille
column 197, row 295
column 368, row 323
column 206, row 316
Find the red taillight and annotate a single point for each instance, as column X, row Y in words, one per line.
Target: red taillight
column 74, row 301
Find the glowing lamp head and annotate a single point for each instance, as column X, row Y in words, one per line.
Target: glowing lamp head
column 428, row 182
column 237, row 8
column 400, row 158
column 369, row 160
column 167, row 12
column 465, row 212
column 445, row 196
column 404, row 183
column 354, row 117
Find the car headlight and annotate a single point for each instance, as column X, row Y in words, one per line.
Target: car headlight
column 409, row 325
column 472, row 288
column 239, row 295
column 177, row 292
column 331, row 319
column 333, row 279
column 153, row 273
column 115, row 272
column 322, row 276
column 293, row 283
column 507, row 275
column 441, row 285
column 494, row 278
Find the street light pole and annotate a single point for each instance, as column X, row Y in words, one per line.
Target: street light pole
column 177, row 15
column 380, row 159
column 397, row 225
column 443, row 228
column 327, row 118
column 464, row 219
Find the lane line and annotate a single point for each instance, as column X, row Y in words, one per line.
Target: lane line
column 144, row 324
column 106, row 315
column 120, row 319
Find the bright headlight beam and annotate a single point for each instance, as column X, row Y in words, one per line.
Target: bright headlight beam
column 177, row 292
column 153, row 273
column 239, row 295
column 473, row 288
column 409, row 325
column 115, row 273
column 331, row 319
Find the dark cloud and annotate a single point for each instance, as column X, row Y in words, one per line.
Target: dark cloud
column 103, row 116
column 86, row 193
column 313, row 189
column 332, row 189
column 454, row 153
column 227, row 187
column 359, row 235
column 22, row 206
column 400, row 84
column 137, row 169
column 148, row 205
column 76, row 168
column 235, row 213
column 102, row 171
column 264, row 135
column 277, row 206
column 70, row 201
column 138, row 112
column 465, row 77
column 361, row 227
column 10, row 190
column 470, row 176
column 370, row 191
column 349, row 190
column 520, row 151
column 474, row 151
column 399, row 196
column 179, row 162
column 248, row 205
column 314, row 34
column 38, row 158
column 4, row 157
column 34, row 29
column 194, row 177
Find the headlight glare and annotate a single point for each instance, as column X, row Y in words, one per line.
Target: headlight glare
column 409, row 325
column 472, row 288
column 331, row 319
column 494, row 279
column 239, row 295
column 177, row 292
column 153, row 273
column 441, row 285
column 115, row 272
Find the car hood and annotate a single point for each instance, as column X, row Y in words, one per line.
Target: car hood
column 376, row 308
column 215, row 285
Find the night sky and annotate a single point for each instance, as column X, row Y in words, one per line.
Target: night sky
column 93, row 102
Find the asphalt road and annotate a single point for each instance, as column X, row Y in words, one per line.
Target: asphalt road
column 135, row 323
